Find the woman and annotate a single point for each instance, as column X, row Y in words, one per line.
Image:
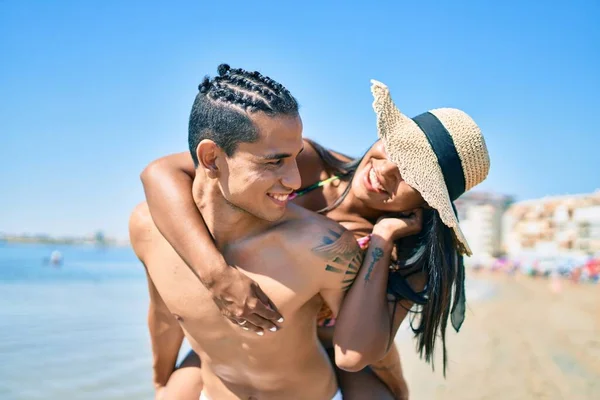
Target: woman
column 424, row 162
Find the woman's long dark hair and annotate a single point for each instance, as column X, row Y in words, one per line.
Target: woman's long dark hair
column 432, row 251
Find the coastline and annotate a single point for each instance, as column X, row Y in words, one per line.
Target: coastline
column 42, row 240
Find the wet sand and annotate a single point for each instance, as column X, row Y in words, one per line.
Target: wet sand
column 525, row 341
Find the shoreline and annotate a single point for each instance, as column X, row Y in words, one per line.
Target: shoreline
column 63, row 242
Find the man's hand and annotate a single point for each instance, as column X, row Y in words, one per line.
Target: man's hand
column 399, row 225
column 243, row 302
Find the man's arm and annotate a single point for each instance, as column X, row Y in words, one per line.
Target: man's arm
column 328, row 252
column 166, row 337
column 166, row 334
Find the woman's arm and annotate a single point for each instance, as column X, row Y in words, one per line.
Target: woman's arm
column 364, row 329
column 168, row 187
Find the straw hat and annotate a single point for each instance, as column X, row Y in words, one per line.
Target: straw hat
column 440, row 153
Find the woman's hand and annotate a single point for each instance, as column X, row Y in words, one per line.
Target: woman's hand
column 396, row 226
column 243, row 302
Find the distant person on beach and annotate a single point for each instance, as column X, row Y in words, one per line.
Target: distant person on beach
column 436, row 250
column 55, row 259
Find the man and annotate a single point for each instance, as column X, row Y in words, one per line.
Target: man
column 244, row 135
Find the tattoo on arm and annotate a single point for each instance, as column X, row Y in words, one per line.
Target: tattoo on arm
column 342, row 254
column 377, row 254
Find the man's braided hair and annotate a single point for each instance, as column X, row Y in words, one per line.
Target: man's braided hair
column 221, row 110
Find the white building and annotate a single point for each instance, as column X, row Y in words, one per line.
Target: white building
column 480, row 215
column 552, row 226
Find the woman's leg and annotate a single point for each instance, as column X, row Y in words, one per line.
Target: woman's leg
column 185, row 382
column 383, row 380
column 361, row 385
column 389, row 370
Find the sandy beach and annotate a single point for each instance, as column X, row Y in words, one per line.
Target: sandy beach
column 526, row 341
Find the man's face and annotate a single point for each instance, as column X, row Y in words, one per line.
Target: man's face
column 259, row 176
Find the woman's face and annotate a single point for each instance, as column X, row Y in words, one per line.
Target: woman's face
column 379, row 185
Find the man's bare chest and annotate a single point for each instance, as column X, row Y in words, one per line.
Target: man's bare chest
column 287, row 285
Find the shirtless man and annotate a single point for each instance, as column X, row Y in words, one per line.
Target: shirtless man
column 244, row 135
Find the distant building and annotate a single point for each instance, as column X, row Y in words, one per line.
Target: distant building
column 554, row 225
column 480, row 215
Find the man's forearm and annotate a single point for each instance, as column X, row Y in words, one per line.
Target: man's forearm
column 166, row 338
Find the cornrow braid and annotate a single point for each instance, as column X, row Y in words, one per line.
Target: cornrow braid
column 263, row 93
column 262, row 97
column 253, row 85
column 221, row 108
column 266, row 86
column 242, row 99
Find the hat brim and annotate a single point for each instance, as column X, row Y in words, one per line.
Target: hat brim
column 407, row 146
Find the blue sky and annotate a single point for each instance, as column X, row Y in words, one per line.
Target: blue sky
column 92, row 91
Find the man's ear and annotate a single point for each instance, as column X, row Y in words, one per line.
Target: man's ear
column 208, row 152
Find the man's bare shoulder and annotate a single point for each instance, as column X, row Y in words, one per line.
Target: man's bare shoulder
column 141, row 228
column 308, row 228
column 316, row 240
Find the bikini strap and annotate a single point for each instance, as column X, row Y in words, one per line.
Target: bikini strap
column 302, row 192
